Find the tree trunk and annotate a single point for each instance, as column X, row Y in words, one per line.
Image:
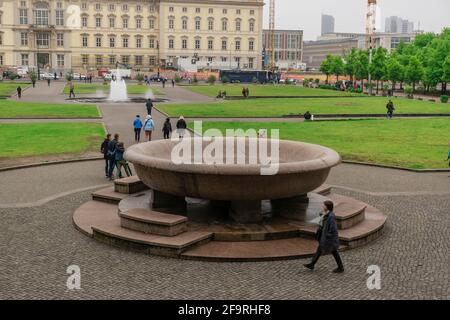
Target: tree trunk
column 401, row 85
column 414, row 86
column 393, row 87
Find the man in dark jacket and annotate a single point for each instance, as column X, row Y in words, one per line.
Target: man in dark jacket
column 149, row 106
column 19, row 92
column 390, row 109
column 103, row 150
column 328, row 238
column 111, row 155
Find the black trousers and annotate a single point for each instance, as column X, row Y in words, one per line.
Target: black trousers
column 166, row 135
column 137, row 135
column 335, row 254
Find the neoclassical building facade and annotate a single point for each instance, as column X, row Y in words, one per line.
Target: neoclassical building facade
column 83, row 35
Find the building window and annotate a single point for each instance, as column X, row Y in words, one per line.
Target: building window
column 84, row 21
column 112, row 60
column 98, row 22
column 224, row 11
column 197, row 24
column 98, row 6
column 184, row 24
column 251, row 26
column 238, row 25
column 84, row 41
column 138, row 8
column 210, row 44
column 152, row 60
column 23, row 16
column 237, row 60
column 210, row 10
column 210, row 24
column 84, row 6
column 224, row 25
column 60, row 60
column 59, row 17
column 125, row 23
column 184, row 10
column 250, row 63
column 1, row 60
column 112, row 7
column 171, row 43
column 238, row 45
column 112, row 42
column 85, row 59
column 224, row 59
column 41, row 16
column 151, row 43
column 238, row 11
column 197, row 10
column 112, row 22
column 60, row 39
column 24, row 59
column 151, row 24
column 125, row 59
column 98, row 60
column 251, row 45
column 224, row 44
column 197, row 44
column 171, row 9
column 24, row 39
column 138, row 23
column 138, row 43
column 42, row 40
column 1, row 39
column 184, row 43
column 125, row 42
column 98, row 42
column 171, row 23
column 125, row 7
column 138, row 60
column 151, row 9
column 252, row 12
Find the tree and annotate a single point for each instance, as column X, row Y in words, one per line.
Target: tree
column 361, row 66
column 337, row 67
column 446, row 74
column 395, row 71
column 350, row 64
column 414, row 71
column 326, row 65
column 378, row 65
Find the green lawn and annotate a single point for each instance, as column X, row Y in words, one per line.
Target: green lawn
column 19, row 109
column 409, row 143
column 8, row 88
column 317, row 106
column 85, row 88
column 39, row 139
column 265, row 90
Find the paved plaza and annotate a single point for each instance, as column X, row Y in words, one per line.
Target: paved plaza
column 38, row 241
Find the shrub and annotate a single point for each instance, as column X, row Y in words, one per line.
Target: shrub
column 69, row 76
column 140, row 78
column 236, row 81
column 177, row 79
column 212, row 79
column 305, row 82
column 13, row 76
column 317, row 81
column 225, row 79
column 33, row 76
column 195, row 80
column 444, row 98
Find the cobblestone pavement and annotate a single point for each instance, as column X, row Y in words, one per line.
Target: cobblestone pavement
column 38, row 244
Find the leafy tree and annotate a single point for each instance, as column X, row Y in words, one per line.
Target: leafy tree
column 350, row 64
column 378, row 65
column 337, row 67
column 395, row 71
column 414, row 72
column 446, row 73
column 326, row 65
column 362, row 66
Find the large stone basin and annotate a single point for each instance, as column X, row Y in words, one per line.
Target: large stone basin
column 302, row 168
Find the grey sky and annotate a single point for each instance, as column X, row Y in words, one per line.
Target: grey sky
column 350, row 14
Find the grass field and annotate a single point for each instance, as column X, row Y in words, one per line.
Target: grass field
column 39, row 139
column 8, row 88
column 18, row 109
column 408, row 143
column 280, row 107
column 86, row 88
column 265, row 90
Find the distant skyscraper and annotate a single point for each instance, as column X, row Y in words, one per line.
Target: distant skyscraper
column 398, row 25
column 327, row 24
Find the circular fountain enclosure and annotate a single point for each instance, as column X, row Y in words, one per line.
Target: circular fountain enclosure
column 302, row 167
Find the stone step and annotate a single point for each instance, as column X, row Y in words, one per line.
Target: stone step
column 153, row 222
column 129, row 185
column 109, row 195
column 349, row 212
column 293, row 248
column 323, row 190
column 93, row 213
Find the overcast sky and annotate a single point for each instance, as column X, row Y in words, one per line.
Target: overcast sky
column 350, row 14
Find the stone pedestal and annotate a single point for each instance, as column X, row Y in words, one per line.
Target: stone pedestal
column 167, row 202
column 302, row 208
column 246, row 211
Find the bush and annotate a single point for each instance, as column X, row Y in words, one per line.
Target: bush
column 444, row 98
column 33, row 76
column 140, row 78
column 13, row 76
column 225, row 79
column 177, row 79
column 212, row 79
column 305, row 82
column 236, row 81
column 326, row 86
column 69, row 76
column 195, row 80
column 317, row 81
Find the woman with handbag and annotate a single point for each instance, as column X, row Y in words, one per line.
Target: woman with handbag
column 328, row 238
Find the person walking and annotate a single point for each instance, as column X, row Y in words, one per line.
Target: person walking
column 19, row 92
column 48, row 81
column 163, row 82
column 149, row 106
column 327, row 236
column 55, row 76
column 71, row 90
column 137, row 125
column 120, row 161
column 103, row 149
column 390, row 109
column 181, row 127
column 307, row 116
column 167, row 128
column 173, row 83
column 111, row 154
column 149, row 126
column 247, row 92
column 244, row 92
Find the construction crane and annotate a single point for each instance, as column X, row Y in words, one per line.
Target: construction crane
column 371, row 27
column 271, row 49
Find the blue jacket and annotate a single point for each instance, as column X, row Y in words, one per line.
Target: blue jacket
column 149, row 125
column 137, row 123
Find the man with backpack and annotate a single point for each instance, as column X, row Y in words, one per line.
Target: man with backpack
column 103, row 150
column 111, row 155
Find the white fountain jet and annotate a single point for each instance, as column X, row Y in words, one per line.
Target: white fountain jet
column 118, row 88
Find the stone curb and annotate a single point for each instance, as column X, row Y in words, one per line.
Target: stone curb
column 49, row 118
column 41, row 164
column 317, row 117
column 395, row 167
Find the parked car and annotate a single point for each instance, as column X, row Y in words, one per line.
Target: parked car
column 155, row 78
column 78, row 76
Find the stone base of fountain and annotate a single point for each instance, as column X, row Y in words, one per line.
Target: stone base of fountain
column 106, row 100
